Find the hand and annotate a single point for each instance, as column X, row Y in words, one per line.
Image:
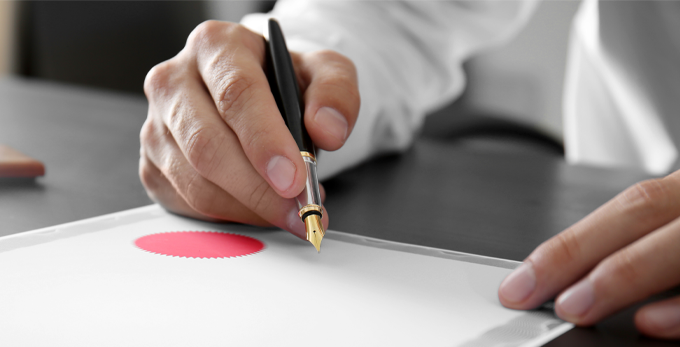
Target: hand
column 623, row 252
column 214, row 145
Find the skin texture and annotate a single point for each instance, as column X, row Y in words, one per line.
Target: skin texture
column 214, row 145
column 623, row 252
column 214, row 140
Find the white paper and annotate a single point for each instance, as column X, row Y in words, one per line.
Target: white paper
column 87, row 284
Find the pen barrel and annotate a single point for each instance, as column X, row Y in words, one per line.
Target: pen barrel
column 284, row 86
column 310, row 196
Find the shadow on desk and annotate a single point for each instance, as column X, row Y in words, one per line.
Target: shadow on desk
column 618, row 330
column 449, row 195
column 458, row 122
column 19, row 183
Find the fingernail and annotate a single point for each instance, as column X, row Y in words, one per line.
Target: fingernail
column 281, row 172
column 295, row 224
column 332, row 122
column 663, row 317
column 519, row 284
column 576, row 301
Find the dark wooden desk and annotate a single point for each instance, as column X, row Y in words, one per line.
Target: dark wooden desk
column 493, row 202
column 496, row 203
column 89, row 142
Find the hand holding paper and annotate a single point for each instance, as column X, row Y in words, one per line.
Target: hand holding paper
column 625, row 251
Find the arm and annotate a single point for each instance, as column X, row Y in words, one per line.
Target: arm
column 408, row 55
column 214, row 145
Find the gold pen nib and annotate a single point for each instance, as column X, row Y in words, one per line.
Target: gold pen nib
column 315, row 230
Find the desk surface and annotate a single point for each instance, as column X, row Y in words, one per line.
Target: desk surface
column 450, row 195
column 89, row 143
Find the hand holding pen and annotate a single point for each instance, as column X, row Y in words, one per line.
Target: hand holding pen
column 286, row 92
column 215, row 146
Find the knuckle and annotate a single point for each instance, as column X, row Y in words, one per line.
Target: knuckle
column 354, row 97
column 207, row 33
column 198, row 197
column 146, row 133
column 348, row 65
column 339, row 75
column 158, row 78
column 564, row 247
column 150, row 180
column 236, row 30
column 252, row 41
column 339, row 83
column 150, row 138
column 620, row 267
column 350, row 94
column 331, row 56
column 146, row 176
column 233, row 90
column 257, row 198
column 253, row 139
column 170, row 166
column 338, row 61
column 647, row 197
column 176, row 114
column 200, row 150
column 212, row 33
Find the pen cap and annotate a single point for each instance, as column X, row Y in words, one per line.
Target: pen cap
column 284, row 86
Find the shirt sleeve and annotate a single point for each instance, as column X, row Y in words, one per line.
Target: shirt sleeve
column 408, row 56
column 621, row 89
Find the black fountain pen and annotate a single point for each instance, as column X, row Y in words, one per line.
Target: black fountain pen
column 284, row 86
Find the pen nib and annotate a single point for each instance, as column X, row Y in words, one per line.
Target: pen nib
column 315, row 230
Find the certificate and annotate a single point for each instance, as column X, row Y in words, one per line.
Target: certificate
column 145, row 277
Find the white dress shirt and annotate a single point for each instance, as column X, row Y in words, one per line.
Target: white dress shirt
column 618, row 106
column 622, row 93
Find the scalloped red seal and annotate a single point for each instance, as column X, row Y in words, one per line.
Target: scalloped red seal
column 200, row 244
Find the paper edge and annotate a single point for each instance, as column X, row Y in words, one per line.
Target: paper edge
column 422, row 250
column 548, row 336
column 114, row 215
column 26, row 239
column 331, row 234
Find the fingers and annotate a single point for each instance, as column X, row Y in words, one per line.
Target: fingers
column 331, row 97
column 567, row 257
column 208, row 145
column 646, row 267
column 660, row 319
column 161, row 191
column 206, row 164
column 179, row 188
column 230, row 60
column 215, row 137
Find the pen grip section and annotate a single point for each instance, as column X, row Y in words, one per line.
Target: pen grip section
column 310, row 195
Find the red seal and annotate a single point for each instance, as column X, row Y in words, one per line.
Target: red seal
column 200, row 244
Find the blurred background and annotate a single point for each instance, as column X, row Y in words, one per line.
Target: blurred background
column 104, row 44
column 112, row 45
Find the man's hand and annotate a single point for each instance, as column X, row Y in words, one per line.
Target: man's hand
column 214, row 145
column 623, row 252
